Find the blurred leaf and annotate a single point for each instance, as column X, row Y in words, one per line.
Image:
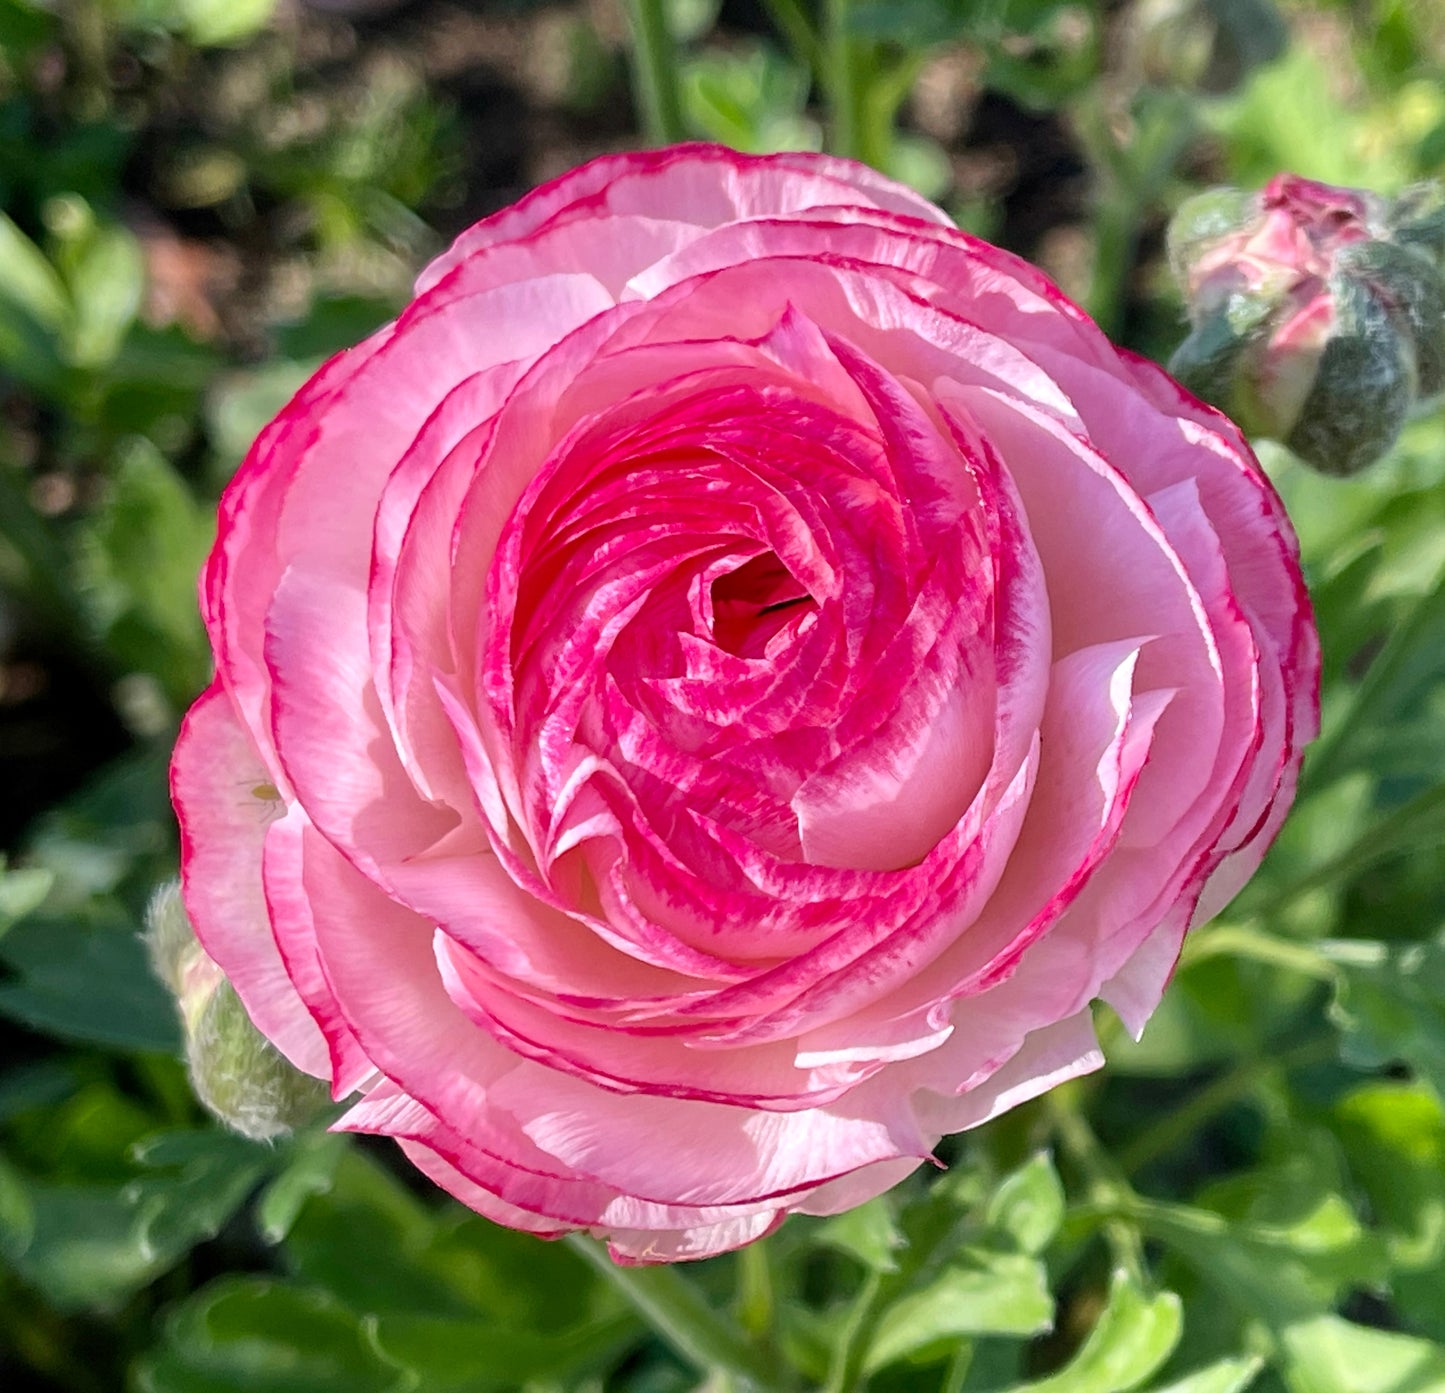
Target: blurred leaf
column 1394, row 1138
column 752, row 99
column 980, row 1293
column 206, row 23
column 1135, row 1335
column 23, row 26
column 250, row 1335
column 86, row 981
column 35, row 311
column 117, row 835
column 440, row 1261
column 1390, row 1002
column 203, row 1176
column 239, row 404
column 1289, row 116
column 21, row 891
column 309, row 1170
column 78, row 1244
column 1332, row 1355
column 1029, row 1204
column 1227, row 1376
column 868, row 1232
column 458, row 1356
column 106, row 275
column 144, row 551
column 1274, row 1268
column 217, row 22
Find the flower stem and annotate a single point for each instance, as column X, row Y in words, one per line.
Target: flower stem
column 1241, row 941
column 792, row 22
column 846, row 1367
column 755, row 1290
column 1181, row 1123
column 655, row 71
column 844, row 89
column 670, row 1304
column 1104, row 1183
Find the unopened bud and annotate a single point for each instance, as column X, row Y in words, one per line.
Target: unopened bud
column 236, row 1072
column 1318, row 313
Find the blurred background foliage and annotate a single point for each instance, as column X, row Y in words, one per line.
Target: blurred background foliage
column 204, row 198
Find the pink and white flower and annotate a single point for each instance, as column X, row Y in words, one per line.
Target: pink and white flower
column 708, row 697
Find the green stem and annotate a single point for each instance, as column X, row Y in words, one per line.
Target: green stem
column 844, row 88
column 846, row 1369
column 1240, row 941
column 672, row 1307
column 958, row 1367
column 1104, row 1182
column 792, row 22
column 655, row 71
column 1182, row 1122
column 755, row 1291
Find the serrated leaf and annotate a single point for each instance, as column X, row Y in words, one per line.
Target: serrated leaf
column 1332, row 1355
column 1029, row 1204
column 1132, row 1338
column 981, row 1293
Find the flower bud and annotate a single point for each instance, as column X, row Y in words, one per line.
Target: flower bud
column 1318, row 313
column 236, row 1072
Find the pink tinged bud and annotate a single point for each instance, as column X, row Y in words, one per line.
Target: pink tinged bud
column 1318, row 313
column 240, row 1077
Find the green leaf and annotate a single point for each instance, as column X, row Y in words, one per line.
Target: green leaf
column 35, row 311
column 250, row 1335
column 203, row 1178
column 1274, row 1269
column 1131, row 1339
column 981, row 1293
column 869, row 1233
column 310, row 1169
column 86, row 981
column 104, row 271
column 242, row 402
column 1331, row 1355
column 1390, row 1002
column 460, row 1356
column 1227, row 1376
column 1029, row 1204
column 21, row 892
column 440, row 1261
column 143, row 553
column 217, row 23
column 1393, row 1135
column 78, row 1244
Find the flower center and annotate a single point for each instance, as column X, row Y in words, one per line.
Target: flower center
column 754, row 603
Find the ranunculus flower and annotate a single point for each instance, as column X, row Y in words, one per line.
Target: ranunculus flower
column 709, row 696
column 1318, row 313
